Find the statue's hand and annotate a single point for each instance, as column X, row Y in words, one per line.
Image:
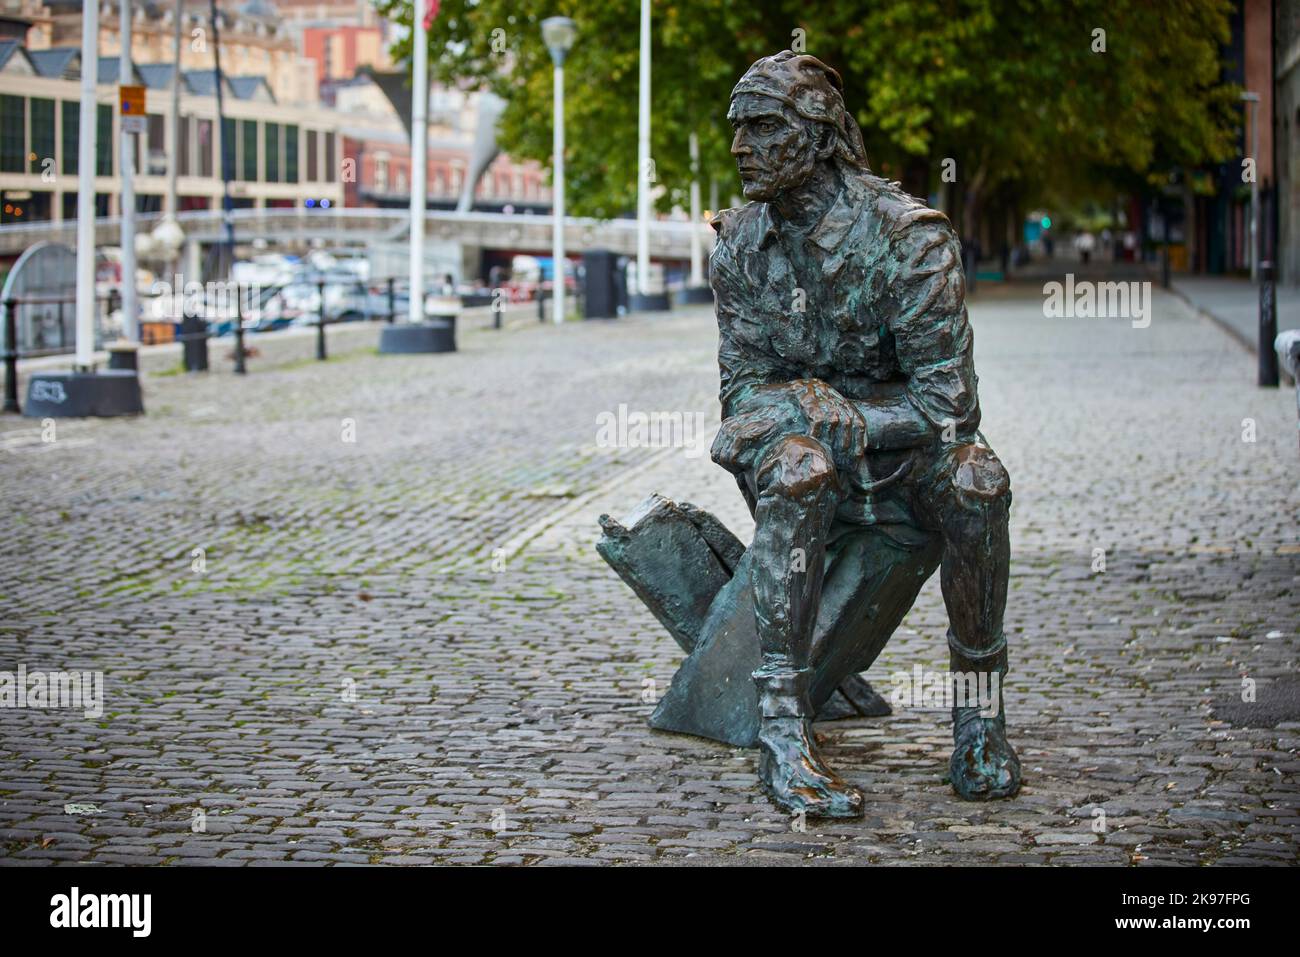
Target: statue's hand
column 741, row 437
column 802, row 407
column 832, row 420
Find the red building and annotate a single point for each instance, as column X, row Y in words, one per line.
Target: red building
column 340, row 50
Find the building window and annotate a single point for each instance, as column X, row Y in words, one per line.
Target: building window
column 248, row 153
column 290, row 153
column 183, row 145
column 205, row 147
column 42, row 135
column 156, row 145
column 330, row 171
column 228, row 153
column 311, row 156
column 104, row 140
column 13, row 138
column 381, row 172
column 273, row 152
column 71, row 141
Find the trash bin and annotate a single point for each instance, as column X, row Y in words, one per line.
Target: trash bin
column 194, row 344
column 602, row 280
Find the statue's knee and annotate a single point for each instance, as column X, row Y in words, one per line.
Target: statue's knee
column 796, row 467
column 979, row 478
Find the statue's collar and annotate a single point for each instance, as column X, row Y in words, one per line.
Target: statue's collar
column 830, row 229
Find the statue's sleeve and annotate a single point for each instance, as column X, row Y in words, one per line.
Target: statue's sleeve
column 740, row 370
column 741, row 367
column 932, row 333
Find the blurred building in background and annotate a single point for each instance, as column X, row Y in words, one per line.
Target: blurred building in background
column 282, row 154
column 1217, row 207
column 305, row 124
column 1286, row 132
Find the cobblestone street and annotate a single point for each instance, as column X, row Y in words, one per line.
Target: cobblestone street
column 404, row 649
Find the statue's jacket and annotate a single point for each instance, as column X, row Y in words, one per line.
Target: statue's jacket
column 873, row 304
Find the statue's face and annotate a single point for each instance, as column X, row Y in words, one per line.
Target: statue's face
column 775, row 147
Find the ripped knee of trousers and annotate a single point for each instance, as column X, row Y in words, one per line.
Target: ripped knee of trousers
column 797, row 466
column 978, row 477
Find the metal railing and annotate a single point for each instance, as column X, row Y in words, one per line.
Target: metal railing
column 238, row 303
column 197, row 323
column 55, row 315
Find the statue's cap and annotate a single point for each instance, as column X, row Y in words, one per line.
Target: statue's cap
column 810, row 88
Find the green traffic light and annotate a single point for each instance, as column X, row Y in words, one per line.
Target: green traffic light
column 1046, row 222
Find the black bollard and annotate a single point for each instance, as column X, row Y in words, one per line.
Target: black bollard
column 1267, row 326
column 239, row 335
column 194, row 343
column 392, row 301
column 320, row 323
column 11, row 356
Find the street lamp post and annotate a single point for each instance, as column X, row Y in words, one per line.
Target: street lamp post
column 168, row 237
column 419, row 159
column 558, row 33
column 84, row 391
column 697, row 252
column 643, row 159
column 126, row 154
column 696, row 291
column 86, row 189
column 1253, row 100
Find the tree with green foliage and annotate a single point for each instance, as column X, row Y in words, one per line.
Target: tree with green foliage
column 1019, row 95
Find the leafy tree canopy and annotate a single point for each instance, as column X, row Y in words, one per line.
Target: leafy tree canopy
column 1018, row 92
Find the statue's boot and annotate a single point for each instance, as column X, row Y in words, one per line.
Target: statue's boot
column 984, row 766
column 789, row 765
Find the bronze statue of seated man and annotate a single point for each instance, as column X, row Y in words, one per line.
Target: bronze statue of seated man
column 850, row 420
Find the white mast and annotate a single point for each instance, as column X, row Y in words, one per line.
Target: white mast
column 419, row 147
column 86, row 304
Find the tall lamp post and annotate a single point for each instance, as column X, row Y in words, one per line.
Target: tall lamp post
column 558, row 33
column 127, row 151
column 85, row 391
column 1253, row 100
column 643, row 300
column 168, row 237
column 419, row 159
column 421, row 332
column 697, row 290
column 86, row 304
column 643, row 158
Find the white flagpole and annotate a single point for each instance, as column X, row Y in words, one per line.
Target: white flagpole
column 557, row 232
column 643, row 159
column 127, row 172
column 419, row 147
column 86, row 304
column 697, row 249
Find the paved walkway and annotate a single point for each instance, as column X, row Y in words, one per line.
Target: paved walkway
column 1235, row 303
column 404, row 650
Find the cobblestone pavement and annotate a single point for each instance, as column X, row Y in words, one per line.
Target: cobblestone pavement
column 403, row 649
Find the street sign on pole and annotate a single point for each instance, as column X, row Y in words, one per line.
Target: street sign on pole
column 134, row 119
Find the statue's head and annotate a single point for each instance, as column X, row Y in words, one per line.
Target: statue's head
column 788, row 113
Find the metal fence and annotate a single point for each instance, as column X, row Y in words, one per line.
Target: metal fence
column 37, row 326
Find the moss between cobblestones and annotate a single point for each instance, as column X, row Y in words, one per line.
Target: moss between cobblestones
column 336, row 358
